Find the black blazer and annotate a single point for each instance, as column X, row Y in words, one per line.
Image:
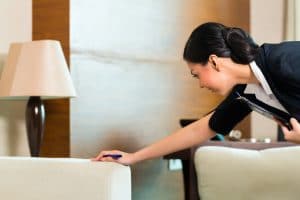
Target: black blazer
column 280, row 64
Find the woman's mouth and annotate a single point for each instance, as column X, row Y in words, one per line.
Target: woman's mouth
column 212, row 90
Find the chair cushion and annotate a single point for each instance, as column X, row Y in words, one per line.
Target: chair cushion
column 240, row 174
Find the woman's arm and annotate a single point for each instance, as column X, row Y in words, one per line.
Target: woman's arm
column 191, row 135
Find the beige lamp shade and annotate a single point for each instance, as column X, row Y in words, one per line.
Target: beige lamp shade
column 36, row 68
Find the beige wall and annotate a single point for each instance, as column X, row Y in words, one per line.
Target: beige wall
column 15, row 22
column 266, row 25
column 267, row 20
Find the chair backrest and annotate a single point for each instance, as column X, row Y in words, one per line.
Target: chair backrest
column 235, row 173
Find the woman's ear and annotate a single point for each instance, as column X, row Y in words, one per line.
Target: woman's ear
column 213, row 59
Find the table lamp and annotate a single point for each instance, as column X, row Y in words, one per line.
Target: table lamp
column 35, row 70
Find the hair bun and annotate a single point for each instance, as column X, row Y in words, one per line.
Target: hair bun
column 230, row 35
column 240, row 44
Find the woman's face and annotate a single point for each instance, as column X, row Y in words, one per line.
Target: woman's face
column 211, row 77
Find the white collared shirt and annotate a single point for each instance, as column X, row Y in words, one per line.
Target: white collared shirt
column 263, row 91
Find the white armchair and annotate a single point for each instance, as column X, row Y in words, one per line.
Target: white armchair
column 29, row 178
column 240, row 170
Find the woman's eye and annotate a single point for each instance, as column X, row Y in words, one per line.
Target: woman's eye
column 195, row 76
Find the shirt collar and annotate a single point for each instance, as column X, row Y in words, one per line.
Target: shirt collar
column 260, row 77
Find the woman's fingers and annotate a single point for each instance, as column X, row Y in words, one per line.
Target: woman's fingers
column 107, row 159
column 101, row 154
column 295, row 125
column 113, row 156
column 294, row 134
column 287, row 133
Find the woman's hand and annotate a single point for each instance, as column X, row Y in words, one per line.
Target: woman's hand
column 125, row 159
column 294, row 134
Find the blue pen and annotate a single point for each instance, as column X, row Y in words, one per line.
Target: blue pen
column 114, row 156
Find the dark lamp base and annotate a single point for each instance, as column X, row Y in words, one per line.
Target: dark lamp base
column 35, row 121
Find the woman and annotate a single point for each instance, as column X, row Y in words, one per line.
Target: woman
column 226, row 60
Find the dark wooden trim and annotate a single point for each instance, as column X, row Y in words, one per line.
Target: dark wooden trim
column 50, row 20
column 188, row 168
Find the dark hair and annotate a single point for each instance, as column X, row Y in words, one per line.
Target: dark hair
column 214, row 38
